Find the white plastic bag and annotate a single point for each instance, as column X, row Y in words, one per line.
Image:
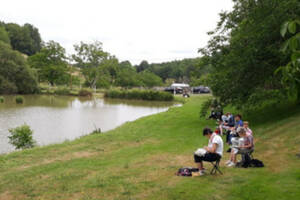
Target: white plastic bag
column 200, row 152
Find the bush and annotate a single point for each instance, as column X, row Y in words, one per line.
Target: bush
column 85, row 92
column 62, row 91
column 1, row 99
column 205, row 106
column 19, row 99
column 21, row 137
column 148, row 95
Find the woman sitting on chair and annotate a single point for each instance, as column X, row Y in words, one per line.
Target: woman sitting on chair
column 245, row 146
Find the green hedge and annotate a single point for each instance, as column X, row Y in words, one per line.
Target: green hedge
column 62, row 91
column 148, row 95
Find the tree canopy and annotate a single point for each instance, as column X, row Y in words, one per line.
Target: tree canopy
column 51, row 63
column 15, row 74
column 25, row 39
column 244, row 51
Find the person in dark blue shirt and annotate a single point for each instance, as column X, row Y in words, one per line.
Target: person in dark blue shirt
column 238, row 121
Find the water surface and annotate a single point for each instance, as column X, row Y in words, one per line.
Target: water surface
column 55, row 119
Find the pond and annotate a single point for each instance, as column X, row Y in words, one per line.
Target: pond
column 55, row 119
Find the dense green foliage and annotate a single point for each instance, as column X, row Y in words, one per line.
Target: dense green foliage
column 21, row 137
column 15, row 74
column 205, row 107
column 2, row 99
column 291, row 71
column 245, row 51
column 25, row 39
column 4, row 35
column 51, row 64
column 191, row 71
column 149, row 95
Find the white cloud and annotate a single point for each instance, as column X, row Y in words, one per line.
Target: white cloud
column 135, row 30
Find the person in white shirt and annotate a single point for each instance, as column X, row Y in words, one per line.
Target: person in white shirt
column 214, row 150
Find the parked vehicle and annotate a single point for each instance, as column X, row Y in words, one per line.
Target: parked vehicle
column 201, row 89
column 171, row 90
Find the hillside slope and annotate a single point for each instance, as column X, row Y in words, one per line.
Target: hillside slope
column 138, row 161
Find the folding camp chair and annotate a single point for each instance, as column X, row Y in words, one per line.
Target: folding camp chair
column 247, row 157
column 216, row 167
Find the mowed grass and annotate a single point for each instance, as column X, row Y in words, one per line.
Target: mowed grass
column 138, row 161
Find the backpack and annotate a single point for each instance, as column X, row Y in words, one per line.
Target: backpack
column 186, row 171
column 256, row 163
column 250, row 163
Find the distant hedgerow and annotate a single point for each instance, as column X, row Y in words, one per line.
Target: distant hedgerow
column 148, row 95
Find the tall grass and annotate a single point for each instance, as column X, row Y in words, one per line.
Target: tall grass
column 148, row 95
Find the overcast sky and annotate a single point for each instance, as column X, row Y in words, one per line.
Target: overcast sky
column 134, row 30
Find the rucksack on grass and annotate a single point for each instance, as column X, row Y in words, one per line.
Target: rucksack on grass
column 186, row 171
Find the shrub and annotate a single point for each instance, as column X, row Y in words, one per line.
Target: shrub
column 149, row 95
column 205, row 106
column 85, row 92
column 19, row 99
column 1, row 99
column 62, row 91
column 21, row 137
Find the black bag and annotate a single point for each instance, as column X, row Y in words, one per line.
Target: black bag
column 186, row 171
column 247, row 162
column 256, row 163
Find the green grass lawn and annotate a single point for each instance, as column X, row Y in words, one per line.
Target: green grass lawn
column 138, row 161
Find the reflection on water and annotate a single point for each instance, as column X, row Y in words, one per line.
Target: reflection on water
column 57, row 118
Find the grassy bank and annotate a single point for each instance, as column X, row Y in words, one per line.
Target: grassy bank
column 138, row 161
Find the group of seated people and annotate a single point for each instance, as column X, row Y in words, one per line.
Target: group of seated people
column 238, row 136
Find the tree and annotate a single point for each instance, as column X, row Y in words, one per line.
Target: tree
column 25, row 39
column 4, row 35
column 149, row 79
column 244, row 51
column 89, row 57
column 291, row 71
column 128, row 77
column 36, row 41
column 51, row 64
column 15, row 75
column 142, row 66
column 125, row 64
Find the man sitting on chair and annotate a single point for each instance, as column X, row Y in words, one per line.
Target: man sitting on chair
column 212, row 152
